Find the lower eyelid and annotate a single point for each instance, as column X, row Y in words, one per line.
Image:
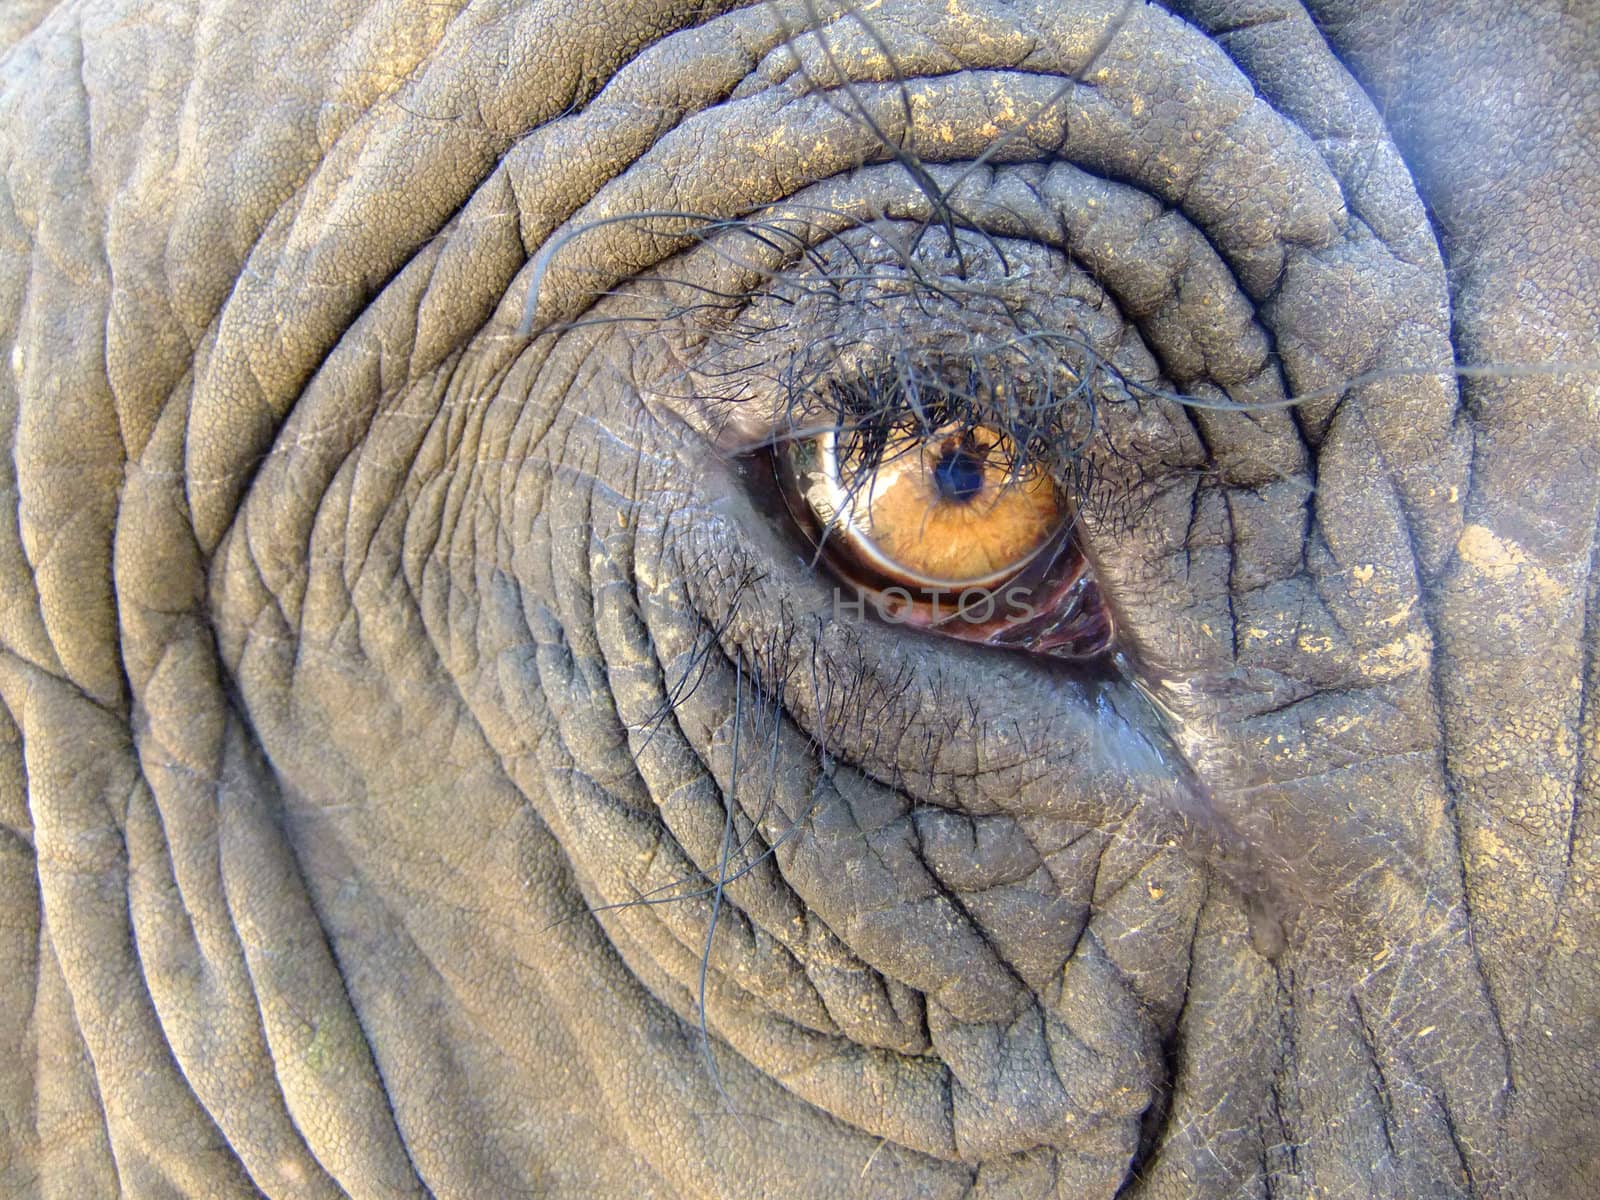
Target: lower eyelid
column 954, row 726
column 1011, row 737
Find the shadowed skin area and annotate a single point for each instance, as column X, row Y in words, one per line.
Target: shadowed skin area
column 430, row 762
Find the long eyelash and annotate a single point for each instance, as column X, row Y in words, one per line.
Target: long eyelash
column 694, row 673
column 707, row 647
column 766, row 677
column 1049, row 428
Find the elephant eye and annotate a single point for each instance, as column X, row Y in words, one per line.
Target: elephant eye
column 943, row 524
column 924, row 507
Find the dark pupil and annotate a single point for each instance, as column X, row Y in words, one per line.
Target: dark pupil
column 959, row 475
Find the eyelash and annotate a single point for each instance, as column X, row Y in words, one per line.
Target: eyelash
column 901, row 390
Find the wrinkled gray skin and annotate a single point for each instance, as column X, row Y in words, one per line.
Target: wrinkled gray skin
column 355, row 647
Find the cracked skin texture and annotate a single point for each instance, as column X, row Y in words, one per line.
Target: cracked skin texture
column 335, row 619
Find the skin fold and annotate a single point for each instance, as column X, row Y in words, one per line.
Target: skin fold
column 430, row 764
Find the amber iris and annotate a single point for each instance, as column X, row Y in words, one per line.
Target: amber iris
column 948, row 506
column 944, row 530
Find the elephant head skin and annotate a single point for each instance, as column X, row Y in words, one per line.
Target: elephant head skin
column 438, row 758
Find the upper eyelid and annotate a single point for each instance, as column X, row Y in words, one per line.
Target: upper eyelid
column 1184, row 298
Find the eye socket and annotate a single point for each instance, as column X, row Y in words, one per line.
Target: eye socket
column 945, row 528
